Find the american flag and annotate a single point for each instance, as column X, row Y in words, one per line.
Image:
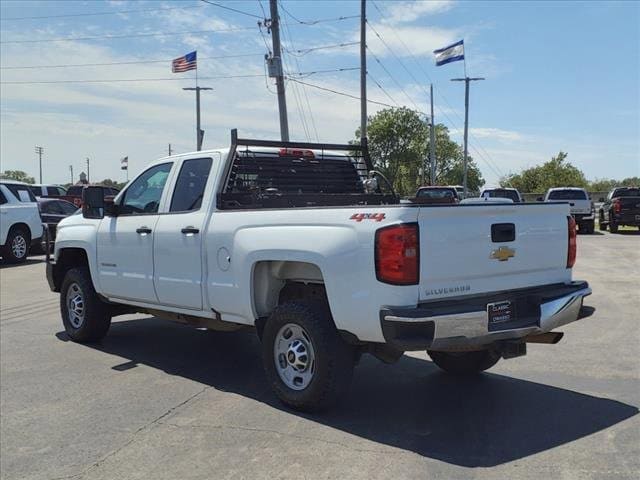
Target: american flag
column 185, row 63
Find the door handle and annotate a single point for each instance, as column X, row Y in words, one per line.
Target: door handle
column 190, row 230
column 143, row 230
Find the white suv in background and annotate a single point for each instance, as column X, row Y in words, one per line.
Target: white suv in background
column 20, row 223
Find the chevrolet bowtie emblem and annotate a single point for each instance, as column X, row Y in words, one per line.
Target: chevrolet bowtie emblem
column 503, row 254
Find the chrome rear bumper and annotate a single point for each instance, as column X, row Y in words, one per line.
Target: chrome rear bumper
column 407, row 329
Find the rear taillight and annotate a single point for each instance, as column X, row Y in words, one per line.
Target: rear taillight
column 397, row 254
column 617, row 207
column 571, row 243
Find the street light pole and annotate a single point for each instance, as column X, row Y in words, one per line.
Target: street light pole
column 199, row 131
column 40, row 151
column 466, row 81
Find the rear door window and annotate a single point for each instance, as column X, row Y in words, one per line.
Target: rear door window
column 51, row 208
column 67, row 208
column 22, row 192
column 190, row 185
column 37, row 191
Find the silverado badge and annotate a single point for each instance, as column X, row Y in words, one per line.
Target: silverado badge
column 503, row 254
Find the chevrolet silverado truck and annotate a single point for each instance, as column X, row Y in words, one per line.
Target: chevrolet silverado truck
column 310, row 246
column 580, row 206
column 621, row 207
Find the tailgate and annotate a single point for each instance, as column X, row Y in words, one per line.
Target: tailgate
column 467, row 250
column 580, row 206
column 629, row 204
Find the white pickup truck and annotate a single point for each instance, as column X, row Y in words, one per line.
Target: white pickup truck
column 306, row 244
column 580, row 206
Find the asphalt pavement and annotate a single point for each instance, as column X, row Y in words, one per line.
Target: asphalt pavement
column 158, row 400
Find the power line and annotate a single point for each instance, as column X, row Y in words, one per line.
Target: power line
column 232, row 9
column 89, row 14
column 330, row 70
column 70, row 65
column 132, row 35
column 315, row 22
column 287, row 30
column 487, row 160
column 382, row 89
column 344, row 94
column 171, row 79
column 304, row 51
column 168, row 79
column 394, row 79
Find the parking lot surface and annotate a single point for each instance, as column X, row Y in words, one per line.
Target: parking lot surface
column 165, row 401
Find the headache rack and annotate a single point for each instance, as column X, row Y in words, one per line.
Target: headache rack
column 276, row 174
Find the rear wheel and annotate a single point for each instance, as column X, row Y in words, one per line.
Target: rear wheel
column 16, row 248
column 465, row 363
column 588, row 227
column 307, row 363
column 613, row 226
column 86, row 318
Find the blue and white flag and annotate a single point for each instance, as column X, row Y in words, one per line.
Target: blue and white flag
column 449, row 54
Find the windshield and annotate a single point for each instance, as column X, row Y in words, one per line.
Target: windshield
column 567, row 195
column 627, row 192
column 499, row 193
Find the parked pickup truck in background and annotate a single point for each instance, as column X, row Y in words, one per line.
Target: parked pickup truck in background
column 510, row 193
column 436, row 194
column 580, row 206
column 74, row 194
column 621, row 207
column 296, row 241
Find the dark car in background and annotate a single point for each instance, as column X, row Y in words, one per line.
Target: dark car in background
column 52, row 210
column 621, row 207
column 74, row 194
column 436, row 194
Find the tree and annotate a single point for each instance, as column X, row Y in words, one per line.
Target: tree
column 557, row 172
column 107, row 182
column 399, row 144
column 18, row 175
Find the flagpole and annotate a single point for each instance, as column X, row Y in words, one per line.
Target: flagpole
column 199, row 131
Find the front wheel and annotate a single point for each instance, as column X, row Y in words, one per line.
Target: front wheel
column 307, row 363
column 17, row 245
column 85, row 316
column 465, row 363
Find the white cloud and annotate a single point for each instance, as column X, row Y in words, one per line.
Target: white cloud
column 404, row 12
column 498, row 134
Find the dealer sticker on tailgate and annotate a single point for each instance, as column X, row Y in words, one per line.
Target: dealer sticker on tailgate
column 500, row 312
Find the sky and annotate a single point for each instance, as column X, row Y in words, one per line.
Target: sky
column 558, row 76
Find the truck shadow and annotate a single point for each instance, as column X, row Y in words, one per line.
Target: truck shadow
column 476, row 422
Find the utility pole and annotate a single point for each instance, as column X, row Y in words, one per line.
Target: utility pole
column 88, row 177
column 276, row 70
column 40, row 151
column 466, row 81
column 169, row 149
column 199, row 131
column 363, row 73
column 71, row 170
column 432, row 141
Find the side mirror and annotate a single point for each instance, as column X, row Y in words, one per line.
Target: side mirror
column 539, row 199
column 601, row 199
column 93, row 202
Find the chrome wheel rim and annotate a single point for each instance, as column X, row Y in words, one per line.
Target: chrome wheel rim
column 294, row 356
column 75, row 305
column 19, row 246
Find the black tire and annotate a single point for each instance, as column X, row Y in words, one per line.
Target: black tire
column 22, row 237
column 333, row 363
column 602, row 226
column 465, row 363
column 96, row 314
column 589, row 227
column 613, row 227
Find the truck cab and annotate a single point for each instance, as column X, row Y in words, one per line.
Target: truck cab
column 580, row 205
